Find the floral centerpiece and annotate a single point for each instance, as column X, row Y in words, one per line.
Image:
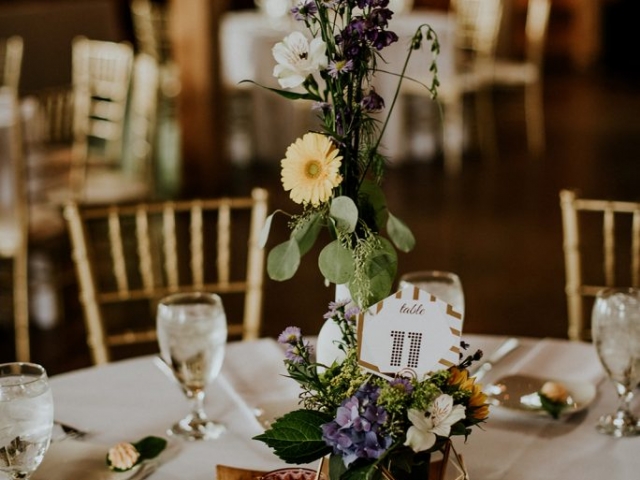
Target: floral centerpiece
column 336, row 173
column 370, row 426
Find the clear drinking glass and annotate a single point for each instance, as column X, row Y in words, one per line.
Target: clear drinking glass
column 26, row 418
column 616, row 335
column 444, row 285
column 192, row 333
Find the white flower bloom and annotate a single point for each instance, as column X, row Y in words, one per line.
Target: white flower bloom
column 297, row 58
column 441, row 416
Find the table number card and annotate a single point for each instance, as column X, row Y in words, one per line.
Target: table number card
column 411, row 333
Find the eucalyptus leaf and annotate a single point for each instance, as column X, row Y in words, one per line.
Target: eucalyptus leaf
column 400, row 234
column 371, row 194
column 345, row 213
column 283, row 260
column 297, row 436
column 264, row 233
column 336, row 263
column 381, row 268
column 306, row 232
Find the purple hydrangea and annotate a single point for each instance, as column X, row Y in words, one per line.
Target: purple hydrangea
column 358, row 429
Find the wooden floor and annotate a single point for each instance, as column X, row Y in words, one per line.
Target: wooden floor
column 497, row 224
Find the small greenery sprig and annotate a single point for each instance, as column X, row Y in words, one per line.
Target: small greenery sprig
column 336, row 173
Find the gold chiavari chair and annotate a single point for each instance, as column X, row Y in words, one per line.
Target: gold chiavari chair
column 14, row 216
column 527, row 73
column 11, row 51
column 141, row 123
column 101, row 81
column 131, row 256
column 601, row 249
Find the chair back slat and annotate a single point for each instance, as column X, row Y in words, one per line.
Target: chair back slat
column 635, row 249
column 170, row 246
column 609, row 225
column 617, row 218
column 117, row 252
column 197, row 255
column 224, row 243
column 144, row 249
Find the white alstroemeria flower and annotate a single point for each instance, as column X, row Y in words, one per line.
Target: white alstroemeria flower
column 442, row 415
column 297, row 58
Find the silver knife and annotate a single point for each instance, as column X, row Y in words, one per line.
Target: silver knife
column 502, row 351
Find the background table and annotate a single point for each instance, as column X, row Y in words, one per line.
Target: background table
column 247, row 38
column 127, row 400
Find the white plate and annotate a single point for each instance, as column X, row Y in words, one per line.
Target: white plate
column 520, row 393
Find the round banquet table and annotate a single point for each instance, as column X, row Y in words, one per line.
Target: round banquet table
column 127, row 400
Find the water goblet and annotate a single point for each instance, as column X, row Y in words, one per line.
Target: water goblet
column 616, row 335
column 444, row 285
column 192, row 333
column 26, row 418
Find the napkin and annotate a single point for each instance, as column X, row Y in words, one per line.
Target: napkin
column 561, row 360
column 75, row 459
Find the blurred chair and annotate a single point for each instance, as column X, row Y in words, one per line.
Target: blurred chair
column 11, row 50
column 14, row 216
column 101, row 82
column 477, row 24
column 128, row 257
column 140, row 139
column 151, row 30
column 527, row 72
column 601, row 249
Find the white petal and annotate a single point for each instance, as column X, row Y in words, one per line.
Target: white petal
column 418, row 440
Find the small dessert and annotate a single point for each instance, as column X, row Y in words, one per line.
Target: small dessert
column 554, row 398
column 554, row 391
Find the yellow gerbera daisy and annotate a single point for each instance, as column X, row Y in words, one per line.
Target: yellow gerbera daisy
column 311, row 169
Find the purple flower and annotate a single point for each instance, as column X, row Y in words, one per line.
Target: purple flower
column 340, row 66
column 305, row 10
column 357, row 431
column 372, row 102
column 402, row 384
column 290, row 336
column 298, row 352
column 351, row 313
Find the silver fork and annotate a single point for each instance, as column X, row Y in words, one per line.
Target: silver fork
column 70, row 431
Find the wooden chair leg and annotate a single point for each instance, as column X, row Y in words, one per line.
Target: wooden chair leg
column 453, row 135
column 486, row 123
column 534, row 113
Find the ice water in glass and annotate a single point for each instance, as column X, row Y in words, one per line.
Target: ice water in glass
column 616, row 335
column 192, row 334
column 26, row 418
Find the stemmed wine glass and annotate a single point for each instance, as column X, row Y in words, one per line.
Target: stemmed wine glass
column 192, row 333
column 444, row 285
column 616, row 335
column 26, row 418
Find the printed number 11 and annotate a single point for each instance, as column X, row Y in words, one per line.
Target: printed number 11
column 397, row 349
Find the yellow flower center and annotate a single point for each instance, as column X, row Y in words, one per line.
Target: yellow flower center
column 313, row 169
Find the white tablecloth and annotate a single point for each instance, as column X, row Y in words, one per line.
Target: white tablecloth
column 127, row 400
column 247, row 38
